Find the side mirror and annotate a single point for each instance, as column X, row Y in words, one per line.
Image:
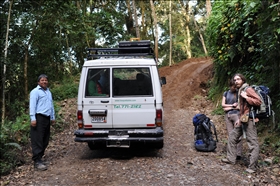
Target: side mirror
column 163, row 80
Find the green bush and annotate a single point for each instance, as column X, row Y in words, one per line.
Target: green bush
column 218, row 111
column 9, row 157
column 68, row 88
column 14, row 134
column 243, row 36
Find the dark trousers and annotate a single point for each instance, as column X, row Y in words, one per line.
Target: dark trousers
column 40, row 136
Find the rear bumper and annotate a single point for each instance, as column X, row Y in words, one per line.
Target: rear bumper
column 132, row 135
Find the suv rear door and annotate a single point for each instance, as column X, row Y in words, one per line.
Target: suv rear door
column 133, row 97
column 97, row 106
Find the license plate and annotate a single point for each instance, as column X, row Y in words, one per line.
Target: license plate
column 118, row 143
column 98, row 119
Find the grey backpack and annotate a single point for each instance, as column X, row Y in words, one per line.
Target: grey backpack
column 204, row 131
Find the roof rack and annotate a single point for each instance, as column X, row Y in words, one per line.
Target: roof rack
column 126, row 48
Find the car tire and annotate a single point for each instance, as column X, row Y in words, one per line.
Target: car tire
column 95, row 146
column 159, row 145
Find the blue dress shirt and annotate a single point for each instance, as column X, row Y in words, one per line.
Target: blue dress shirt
column 41, row 102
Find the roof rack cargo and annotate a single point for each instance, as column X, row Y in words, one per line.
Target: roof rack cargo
column 142, row 43
column 126, row 48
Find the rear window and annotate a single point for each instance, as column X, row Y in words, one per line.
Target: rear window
column 98, row 82
column 132, row 82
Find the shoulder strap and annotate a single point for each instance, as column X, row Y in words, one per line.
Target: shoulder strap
column 226, row 93
column 201, row 117
column 246, row 88
column 214, row 128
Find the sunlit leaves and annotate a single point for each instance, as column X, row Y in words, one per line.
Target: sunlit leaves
column 243, row 36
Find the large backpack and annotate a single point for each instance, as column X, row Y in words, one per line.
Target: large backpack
column 203, row 128
column 264, row 110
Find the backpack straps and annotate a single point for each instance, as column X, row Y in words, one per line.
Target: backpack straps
column 226, row 94
column 208, row 128
column 201, row 117
column 214, row 128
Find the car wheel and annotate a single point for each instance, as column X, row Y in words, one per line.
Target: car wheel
column 94, row 146
column 158, row 145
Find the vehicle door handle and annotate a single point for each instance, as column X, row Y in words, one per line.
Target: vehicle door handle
column 104, row 101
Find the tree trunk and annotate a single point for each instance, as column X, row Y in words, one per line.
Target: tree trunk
column 185, row 9
column 155, row 27
column 208, row 8
column 200, row 37
column 25, row 72
column 128, row 19
column 143, row 25
column 4, row 65
column 69, row 55
column 136, row 20
column 170, row 35
column 26, row 56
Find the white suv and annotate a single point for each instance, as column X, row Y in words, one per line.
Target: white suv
column 120, row 99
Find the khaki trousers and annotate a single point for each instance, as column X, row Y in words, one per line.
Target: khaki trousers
column 230, row 120
column 252, row 141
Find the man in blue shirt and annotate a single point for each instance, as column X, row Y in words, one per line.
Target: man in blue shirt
column 42, row 115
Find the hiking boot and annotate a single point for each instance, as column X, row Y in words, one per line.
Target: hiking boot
column 225, row 160
column 40, row 166
column 238, row 157
column 250, row 171
column 45, row 162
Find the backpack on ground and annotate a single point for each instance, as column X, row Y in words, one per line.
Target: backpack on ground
column 203, row 132
column 264, row 110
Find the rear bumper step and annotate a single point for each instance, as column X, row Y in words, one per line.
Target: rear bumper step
column 146, row 140
column 132, row 135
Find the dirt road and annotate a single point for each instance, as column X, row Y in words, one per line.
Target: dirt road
column 178, row 163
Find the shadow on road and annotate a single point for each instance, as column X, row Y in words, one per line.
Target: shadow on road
column 121, row 153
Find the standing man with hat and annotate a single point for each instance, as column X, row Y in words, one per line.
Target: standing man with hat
column 42, row 115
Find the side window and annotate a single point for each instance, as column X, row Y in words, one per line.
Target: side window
column 98, row 82
column 132, row 82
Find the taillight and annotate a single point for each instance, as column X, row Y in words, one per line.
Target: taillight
column 159, row 117
column 80, row 119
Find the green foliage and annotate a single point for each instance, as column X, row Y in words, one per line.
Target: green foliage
column 218, row 111
column 67, row 88
column 276, row 160
column 16, row 131
column 271, row 143
column 243, row 36
column 198, row 97
column 9, row 158
column 51, row 37
column 59, row 122
column 13, row 135
column 182, row 21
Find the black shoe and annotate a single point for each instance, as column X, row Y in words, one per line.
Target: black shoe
column 40, row 166
column 238, row 157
